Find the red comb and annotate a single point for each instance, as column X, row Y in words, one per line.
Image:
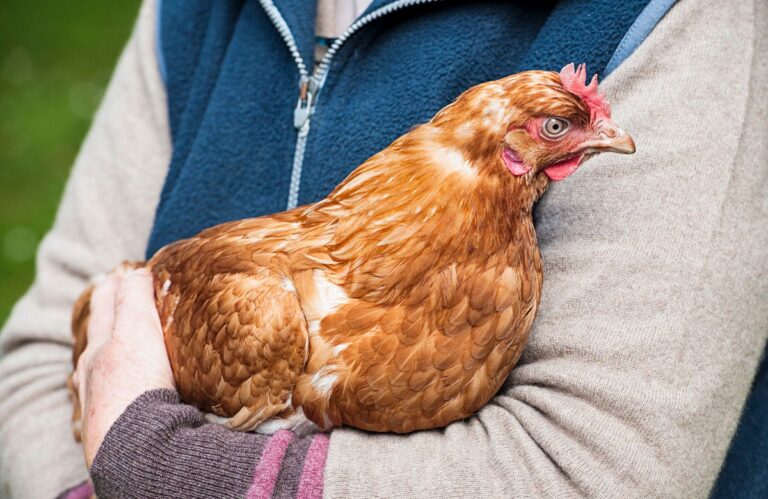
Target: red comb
column 575, row 81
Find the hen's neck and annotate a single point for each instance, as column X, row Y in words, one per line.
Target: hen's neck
column 425, row 187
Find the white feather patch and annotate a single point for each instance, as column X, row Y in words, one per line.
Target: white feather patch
column 313, row 327
column 287, row 285
column 453, row 161
column 339, row 348
column 329, row 296
column 296, row 422
column 323, row 381
column 213, row 418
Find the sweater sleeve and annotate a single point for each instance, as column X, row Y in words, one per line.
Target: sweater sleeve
column 104, row 217
column 161, row 448
column 654, row 310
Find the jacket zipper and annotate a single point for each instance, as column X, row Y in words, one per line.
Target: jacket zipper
column 311, row 85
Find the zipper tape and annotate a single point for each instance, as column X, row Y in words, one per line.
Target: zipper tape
column 311, row 85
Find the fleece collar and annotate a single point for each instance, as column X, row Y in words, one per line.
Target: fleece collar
column 300, row 16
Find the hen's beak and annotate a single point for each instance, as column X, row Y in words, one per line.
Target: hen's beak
column 611, row 138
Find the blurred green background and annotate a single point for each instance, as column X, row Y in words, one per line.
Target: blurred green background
column 55, row 60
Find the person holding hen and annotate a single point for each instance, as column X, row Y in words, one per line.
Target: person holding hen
column 389, row 305
column 651, row 321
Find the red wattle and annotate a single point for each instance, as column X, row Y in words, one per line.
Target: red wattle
column 563, row 169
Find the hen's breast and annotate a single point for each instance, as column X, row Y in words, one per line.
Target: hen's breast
column 408, row 359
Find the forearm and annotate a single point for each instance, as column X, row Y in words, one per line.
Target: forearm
column 653, row 313
column 161, row 448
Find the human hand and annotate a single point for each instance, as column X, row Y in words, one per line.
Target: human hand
column 125, row 356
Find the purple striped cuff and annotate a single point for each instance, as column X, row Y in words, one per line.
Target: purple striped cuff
column 81, row 491
column 311, row 481
column 160, row 447
column 290, row 467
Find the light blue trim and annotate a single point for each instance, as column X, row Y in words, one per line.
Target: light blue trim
column 159, row 43
column 303, row 110
column 638, row 32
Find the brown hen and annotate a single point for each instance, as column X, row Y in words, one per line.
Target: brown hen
column 402, row 300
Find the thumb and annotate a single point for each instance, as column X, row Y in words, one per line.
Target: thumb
column 135, row 310
column 102, row 311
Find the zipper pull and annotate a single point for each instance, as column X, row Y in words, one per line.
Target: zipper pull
column 304, row 106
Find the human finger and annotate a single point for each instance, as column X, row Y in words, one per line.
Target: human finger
column 102, row 310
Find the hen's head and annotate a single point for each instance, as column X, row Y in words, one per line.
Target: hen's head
column 533, row 123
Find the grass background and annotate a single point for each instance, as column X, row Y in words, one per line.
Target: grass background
column 56, row 57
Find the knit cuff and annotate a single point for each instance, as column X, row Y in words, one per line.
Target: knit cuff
column 160, row 447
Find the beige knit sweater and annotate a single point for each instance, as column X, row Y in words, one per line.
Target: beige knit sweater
column 653, row 315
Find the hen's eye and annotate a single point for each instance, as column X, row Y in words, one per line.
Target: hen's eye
column 554, row 128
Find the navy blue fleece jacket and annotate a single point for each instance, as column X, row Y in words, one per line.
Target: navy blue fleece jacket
column 233, row 84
